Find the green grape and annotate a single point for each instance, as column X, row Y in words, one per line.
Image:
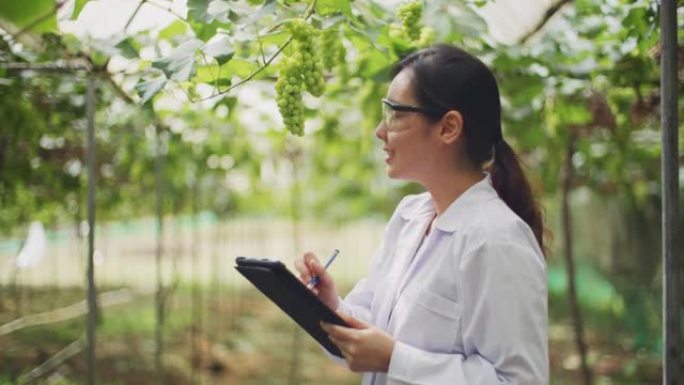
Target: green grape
column 307, row 54
column 289, row 95
column 396, row 31
column 410, row 14
column 427, row 37
column 333, row 51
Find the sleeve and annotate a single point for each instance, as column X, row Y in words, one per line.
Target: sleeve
column 503, row 321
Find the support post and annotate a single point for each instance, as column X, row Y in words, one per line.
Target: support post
column 92, row 308
column 670, row 191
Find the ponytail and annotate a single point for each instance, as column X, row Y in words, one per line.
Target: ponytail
column 513, row 188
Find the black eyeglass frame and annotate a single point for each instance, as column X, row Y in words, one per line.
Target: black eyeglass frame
column 404, row 107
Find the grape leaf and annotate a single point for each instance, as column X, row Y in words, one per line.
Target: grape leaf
column 220, row 49
column 78, row 7
column 329, row 7
column 180, row 64
column 39, row 15
column 148, row 88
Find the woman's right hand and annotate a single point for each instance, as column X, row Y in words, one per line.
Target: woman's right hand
column 308, row 266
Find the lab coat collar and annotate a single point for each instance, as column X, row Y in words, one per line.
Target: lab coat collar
column 459, row 210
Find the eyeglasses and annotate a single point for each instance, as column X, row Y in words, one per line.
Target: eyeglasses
column 389, row 107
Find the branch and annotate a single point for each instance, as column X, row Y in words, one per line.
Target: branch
column 52, row 67
column 167, row 9
column 547, row 16
column 54, row 361
column 130, row 19
column 106, row 299
column 118, row 90
column 261, row 45
column 251, row 76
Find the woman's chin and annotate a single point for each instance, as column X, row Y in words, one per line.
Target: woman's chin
column 392, row 172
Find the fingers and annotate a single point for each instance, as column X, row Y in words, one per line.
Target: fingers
column 350, row 343
column 303, row 266
column 310, row 257
column 313, row 264
column 353, row 322
column 364, row 349
column 340, row 333
column 309, row 266
column 302, row 269
column 340, row 336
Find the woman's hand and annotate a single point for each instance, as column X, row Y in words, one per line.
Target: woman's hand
column 366, row 348
column 308, row 266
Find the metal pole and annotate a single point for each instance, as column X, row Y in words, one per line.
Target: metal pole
column 670, row 191
column 92, row 309
column 161, row 297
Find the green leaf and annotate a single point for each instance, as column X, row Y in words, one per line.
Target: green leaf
column 267, row 9
column 39, row 15
column 219, row 10
column 204, row 30
column 330, row 22
column 220, row 49
column 172, row 30
column 128, row 48
column 329, row 7
column 240, row 67
column 221, row 75
column 148, row 88
column 180, row 64
column 78, row 7
column 211, row 74
column 197, row 9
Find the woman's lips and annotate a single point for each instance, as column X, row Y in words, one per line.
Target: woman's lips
column 389, row 155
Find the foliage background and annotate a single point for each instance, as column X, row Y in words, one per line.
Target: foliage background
column 584, row 88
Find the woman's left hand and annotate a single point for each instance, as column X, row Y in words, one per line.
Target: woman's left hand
column 366, row 348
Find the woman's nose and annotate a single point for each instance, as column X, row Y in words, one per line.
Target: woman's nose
column 381, row 131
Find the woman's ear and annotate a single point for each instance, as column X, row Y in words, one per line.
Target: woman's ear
column 452, row 127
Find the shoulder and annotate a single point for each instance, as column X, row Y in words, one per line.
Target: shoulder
column 495, row 233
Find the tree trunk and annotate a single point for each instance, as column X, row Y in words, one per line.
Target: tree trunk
column 566, row 218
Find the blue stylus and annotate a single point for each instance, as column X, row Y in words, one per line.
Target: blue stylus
column 314, row 279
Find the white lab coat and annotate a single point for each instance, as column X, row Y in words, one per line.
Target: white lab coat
column 466, row 305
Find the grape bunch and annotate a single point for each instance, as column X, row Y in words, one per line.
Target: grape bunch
column 333, row 51
column 289, row 95
column 410, row 13
column 301, row 70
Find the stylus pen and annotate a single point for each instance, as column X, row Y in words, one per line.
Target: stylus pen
column 331, row 258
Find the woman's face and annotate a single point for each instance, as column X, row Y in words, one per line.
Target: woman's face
column 407, row 136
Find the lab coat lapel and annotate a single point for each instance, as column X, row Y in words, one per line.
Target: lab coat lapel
column 407, row 243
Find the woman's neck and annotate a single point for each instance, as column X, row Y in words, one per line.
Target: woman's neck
column 448, row 186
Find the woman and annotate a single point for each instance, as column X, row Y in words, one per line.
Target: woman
column 456, row 293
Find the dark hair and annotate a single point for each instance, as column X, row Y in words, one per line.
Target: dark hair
column 448, row 78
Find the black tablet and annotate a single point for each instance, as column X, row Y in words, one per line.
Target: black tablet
column 274, row 280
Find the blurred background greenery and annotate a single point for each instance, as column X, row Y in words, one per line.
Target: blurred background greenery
column 581, row 98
